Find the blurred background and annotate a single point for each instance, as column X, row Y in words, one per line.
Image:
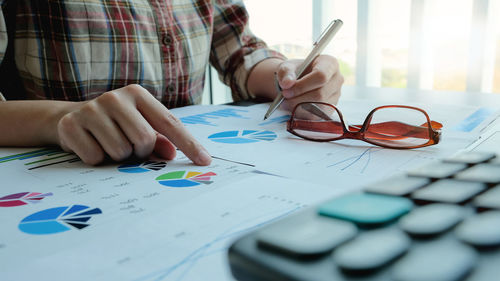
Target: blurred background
column 444, row 45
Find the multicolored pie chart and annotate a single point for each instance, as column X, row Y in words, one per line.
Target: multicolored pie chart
column 185, row 178
column 22, row 198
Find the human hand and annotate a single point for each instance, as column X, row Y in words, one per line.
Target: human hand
column 322, row 82
column 125, row 122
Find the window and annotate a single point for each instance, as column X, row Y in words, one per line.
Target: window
column 442, row 45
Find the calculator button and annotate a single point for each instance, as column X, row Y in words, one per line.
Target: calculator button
column 482, row 173
column 488, row 200
column 432, row 219
column 372, row 250
column 366, row 208
column 398, row 185
column 481, row 230
column 448, row 191
column 306, row 236
column 437, row 170
column 470, row 157
column 444, row 261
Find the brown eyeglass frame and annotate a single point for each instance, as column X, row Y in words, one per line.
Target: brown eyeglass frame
column 433, row 127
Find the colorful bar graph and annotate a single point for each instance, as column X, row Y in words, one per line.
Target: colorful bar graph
column 44, row 157
column 26, row 155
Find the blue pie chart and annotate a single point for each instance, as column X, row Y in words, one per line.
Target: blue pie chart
column 242, row 136
column 58, row 219
column 147, row 166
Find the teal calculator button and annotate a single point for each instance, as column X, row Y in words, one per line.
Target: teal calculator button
column 365, row 208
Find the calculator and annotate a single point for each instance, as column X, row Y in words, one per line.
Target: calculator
column 436, row 222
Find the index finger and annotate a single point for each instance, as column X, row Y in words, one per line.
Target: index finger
column 322, row 71
column 163, row 121
column 286, row 74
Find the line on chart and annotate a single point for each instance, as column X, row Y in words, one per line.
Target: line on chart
column 365, row 155
column 72, row 160
column 232, row 161
column 203, row 251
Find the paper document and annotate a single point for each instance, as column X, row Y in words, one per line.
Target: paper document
column 171, row 220
column 489, row 141
column 238, row 133
column 149, row 220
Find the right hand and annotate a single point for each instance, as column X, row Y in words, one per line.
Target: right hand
column 125, row 122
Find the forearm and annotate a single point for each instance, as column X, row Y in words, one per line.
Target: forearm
column 120, row 123
column 31, row 123
column 261, row 78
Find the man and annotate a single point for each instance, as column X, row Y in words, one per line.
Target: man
column 97, row 77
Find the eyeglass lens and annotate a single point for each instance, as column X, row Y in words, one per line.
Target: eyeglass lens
column 317, row 121
column 398, row 127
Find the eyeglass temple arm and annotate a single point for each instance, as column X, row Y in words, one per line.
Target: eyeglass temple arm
column 391, row 130
column 314, row 109
column 394, row 130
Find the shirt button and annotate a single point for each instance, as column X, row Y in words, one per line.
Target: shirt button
column 167, row 40
column 171, row 88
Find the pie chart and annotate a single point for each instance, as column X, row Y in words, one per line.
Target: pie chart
column 142, row 167
column 58, row 219
column 22, row 198
column 243, row 136
column 185, row 178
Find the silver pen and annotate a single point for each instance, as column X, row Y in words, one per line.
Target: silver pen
column 319, row 46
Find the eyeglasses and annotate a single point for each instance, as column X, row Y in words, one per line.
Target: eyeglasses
column 317, row 121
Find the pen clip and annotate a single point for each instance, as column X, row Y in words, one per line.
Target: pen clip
column 324, row 32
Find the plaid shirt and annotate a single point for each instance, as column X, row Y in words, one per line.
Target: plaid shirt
column 78, row 49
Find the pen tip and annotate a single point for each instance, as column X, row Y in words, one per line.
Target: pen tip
column 265, row 117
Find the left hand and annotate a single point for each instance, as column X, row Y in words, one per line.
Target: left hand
column 322, row 82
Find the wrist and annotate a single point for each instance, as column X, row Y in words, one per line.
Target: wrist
column 32, row 122
column 58, row 109
column 261, row 79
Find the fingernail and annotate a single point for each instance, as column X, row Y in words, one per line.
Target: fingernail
column 290, row 77
column 288, row 93
column 203, row 158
